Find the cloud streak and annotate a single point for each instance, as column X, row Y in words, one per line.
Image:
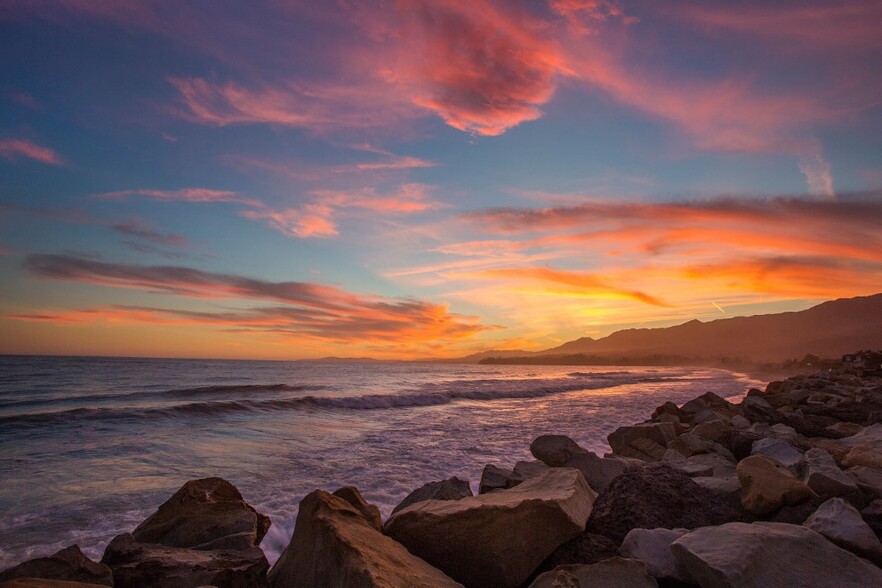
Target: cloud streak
column 299, row 309
column 183, row 195
column 16, row 149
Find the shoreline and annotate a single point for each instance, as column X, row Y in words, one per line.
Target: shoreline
column 783, row 455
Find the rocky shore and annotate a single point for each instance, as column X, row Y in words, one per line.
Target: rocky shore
column 784, row 488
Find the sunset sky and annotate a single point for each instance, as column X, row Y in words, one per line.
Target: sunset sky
column 291, row 179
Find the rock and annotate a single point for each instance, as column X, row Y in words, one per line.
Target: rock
column 587, row 548
column 739, row 422
column 554, row 450
column 842, row 524
column 334, row 545
column 450, row 489
column 669, row 408
column 703, row 416
column 43, row 583
column 834, row 448
column 739, row 442
column 655, row 496
column 756, row 409
column 712, row 430
column 725, row 487
column 863, row 455
column 869, row 480
column 615, row 572
column 68, row 564
column 599, row 472
column 872, row 514
column 796, row 514
column 653, row 548
column 689, row 445
column 370, row 512
column 821, row 474
column 497, row 539
column 204, row 514
column 496, row 478
column 136, row 564
column 780, row 451
column 710, row 401
column 643, row 449
column 720, row 466
column 767, row 485
column 528, row 469
column 785, row 433
column 769, row 554
column 661, row 433
column 847, row 429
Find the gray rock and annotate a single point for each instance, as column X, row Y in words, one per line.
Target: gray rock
column 615, row 572
column 769, row 554
column 653, row 548
column 869, row 480
column 496, row 478
column 842, row 524
column 499, row 538
column 821, row 474
column 739, row 422
column 450, row 489
column 725, row 487
column 781, row 451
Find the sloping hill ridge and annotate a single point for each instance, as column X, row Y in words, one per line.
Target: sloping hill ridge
column 828, row 330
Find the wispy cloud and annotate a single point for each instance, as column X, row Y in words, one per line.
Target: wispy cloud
column 15, row 149
column 307, row 309
column 183, row 195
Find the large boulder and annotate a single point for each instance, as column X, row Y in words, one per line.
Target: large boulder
column 615, row 572
column 656, row 496
column 767, row 485
column 68, row 564
column 554, row 450
column 450, row 489
column 204, row 514
column 653, row 548
column 842, row 524
column 821, row 474
column 334, row 545
column 740, row 555
column 370, row 512
column 136, row 565
column 660, row 433
column 497, row 539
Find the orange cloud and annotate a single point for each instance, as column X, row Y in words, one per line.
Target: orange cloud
column 15, row 149
column 308, row 310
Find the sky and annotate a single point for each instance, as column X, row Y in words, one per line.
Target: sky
column 404, row 179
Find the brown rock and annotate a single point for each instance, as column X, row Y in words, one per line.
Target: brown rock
column 450, row 489
column 137, row 565
column 334, row 545
column 370, row 512
column 661, row 433
column 655, row 496
column 767, row 485
column 554, row 450
column 497, row 539
column 689, row 445
column 496, row 478
column 68, row 564
column 643, row 449
column 712, row 430
column 616, row 572
column 863, row 455
column 204, row 514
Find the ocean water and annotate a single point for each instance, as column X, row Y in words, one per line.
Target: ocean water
column 91, row 446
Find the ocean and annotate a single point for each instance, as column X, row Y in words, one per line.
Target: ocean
column 89, row 447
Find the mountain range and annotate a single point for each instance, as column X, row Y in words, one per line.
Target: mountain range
column 827, row 330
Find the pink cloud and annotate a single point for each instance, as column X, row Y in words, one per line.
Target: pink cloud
column 14, row 149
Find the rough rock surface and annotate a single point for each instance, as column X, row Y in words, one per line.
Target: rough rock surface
column 497, row 478
column 869, row 480
column 656, row 496
column 779, row 450
column 769, row 554
column 204, row 514
column 561, row 451
column 767, row 485
column 821, row 474
column 68, row 564
column 842, row 524
column 449, row 489
column 587, row 548
column 370, row 512
column 554, row 450
column 615, row 572
column 136, row 565
column 653, row 548
column 643, row 449
column 334, row 545
column 497, row 539
column 661, row 433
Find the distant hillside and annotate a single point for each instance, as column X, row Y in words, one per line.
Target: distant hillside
column 829, row 329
